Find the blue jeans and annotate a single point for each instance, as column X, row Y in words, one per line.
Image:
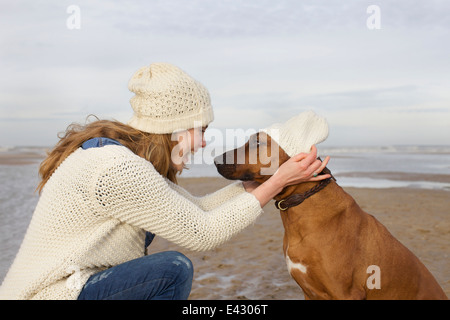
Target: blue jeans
column 160, row 276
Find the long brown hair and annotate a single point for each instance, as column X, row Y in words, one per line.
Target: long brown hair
column 155, row 148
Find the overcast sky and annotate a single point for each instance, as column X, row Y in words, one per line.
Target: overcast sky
column 262, row 61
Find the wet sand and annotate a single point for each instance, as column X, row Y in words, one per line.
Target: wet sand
column 20, row 158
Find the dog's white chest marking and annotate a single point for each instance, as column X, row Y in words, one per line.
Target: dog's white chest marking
column 294, row 265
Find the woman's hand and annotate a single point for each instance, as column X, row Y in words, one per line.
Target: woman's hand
column 300, row 168
column 303, row 167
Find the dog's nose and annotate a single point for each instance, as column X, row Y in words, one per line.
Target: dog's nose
column 227, row 170
column 218, row 160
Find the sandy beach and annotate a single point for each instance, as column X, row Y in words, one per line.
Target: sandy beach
column 20, row 158
column 251, row 265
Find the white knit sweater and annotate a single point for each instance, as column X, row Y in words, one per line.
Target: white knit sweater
column 94, row 211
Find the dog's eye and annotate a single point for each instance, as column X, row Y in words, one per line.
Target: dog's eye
column 260, row 143
column 254, row 143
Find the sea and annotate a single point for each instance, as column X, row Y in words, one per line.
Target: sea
column 369, row 167
column 359, row 167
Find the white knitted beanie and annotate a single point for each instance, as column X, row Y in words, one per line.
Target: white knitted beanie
column 299, row 133
column 168, row 100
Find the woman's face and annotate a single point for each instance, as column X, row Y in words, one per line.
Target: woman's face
column 197, row 138
column 189, row 141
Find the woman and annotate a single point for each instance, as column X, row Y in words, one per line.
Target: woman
column 106, row 184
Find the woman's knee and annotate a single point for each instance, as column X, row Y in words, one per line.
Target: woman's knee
column 182, row 269
column 172, row 262
column 183, row 264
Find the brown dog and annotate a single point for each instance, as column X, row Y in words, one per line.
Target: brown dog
column 333, row 249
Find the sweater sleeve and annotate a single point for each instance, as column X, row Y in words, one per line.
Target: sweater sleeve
column 212, row 200
column 132, row 191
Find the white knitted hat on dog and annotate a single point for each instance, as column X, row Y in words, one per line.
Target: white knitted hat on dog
column 167, row 100
column 299, row 133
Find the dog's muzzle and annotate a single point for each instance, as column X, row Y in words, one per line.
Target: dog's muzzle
column 225, row 169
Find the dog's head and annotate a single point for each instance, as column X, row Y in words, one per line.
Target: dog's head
column 256, row 160
column 268, row 149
